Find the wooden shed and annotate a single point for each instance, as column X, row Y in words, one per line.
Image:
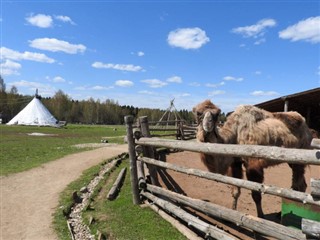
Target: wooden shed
column 307, row 103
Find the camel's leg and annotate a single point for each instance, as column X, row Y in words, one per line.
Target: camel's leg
column 236, row 169
column 298, row 179
column 255, row 174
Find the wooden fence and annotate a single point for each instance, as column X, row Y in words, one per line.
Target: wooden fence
column 174, row 128
column 143, row 145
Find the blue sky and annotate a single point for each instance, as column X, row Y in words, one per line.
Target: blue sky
column 145, row 53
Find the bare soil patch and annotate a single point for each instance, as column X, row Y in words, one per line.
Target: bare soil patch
column 28, row 199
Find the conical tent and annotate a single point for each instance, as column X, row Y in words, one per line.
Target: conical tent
column 35, row 114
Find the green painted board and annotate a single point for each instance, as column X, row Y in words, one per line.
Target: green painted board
column 292, row 213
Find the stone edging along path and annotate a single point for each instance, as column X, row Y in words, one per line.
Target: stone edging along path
column 28, row 199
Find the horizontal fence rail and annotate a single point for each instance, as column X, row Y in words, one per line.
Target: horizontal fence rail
column 263, row 188
column 277, row 154
column 257, row 224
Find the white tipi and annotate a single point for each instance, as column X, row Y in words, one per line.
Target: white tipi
column 35, row 114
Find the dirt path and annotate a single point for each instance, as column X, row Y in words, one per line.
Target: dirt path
column 28, row 199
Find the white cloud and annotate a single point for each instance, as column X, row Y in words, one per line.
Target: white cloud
column 306, row 30
column 174, row 79
column 7, row 53
column 194, row 84
column 263, row 93
column 122, row 67
column 65, row 19
column 140, row 54
column 55, row 45
column 215, row 85
column 154, row 83
column 258, row 72
column 124, row 83
column 98, row 88
column 184, row 95
column 9, row 67
column 44, row 89
column 255, row 30
column 58, row 79
column 215, row 93
column 230, row 78
column 40, row 20
column 187, row 38
column 260, row 41
column 146, row 92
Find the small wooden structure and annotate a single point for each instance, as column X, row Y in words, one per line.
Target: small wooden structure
column 307, row 103
column 143, row 152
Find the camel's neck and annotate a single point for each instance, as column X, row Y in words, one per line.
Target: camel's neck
column 227, row 134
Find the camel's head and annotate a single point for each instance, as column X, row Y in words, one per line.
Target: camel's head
column 206, row 114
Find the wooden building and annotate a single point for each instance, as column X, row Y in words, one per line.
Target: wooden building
column 307, row 103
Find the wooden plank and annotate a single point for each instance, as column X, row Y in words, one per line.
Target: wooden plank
column 263, row 188
column 148, row 151
column 191, row 220
column 257, row 224
column 272, row 153
column 133, row 160
column 315, row 143
column 311, row 228
column 189, row 234
column 117, row 185
column 315, row 187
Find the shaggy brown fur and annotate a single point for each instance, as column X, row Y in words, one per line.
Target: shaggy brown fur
column 253, row 126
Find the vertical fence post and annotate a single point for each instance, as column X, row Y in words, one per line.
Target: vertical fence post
column 148, row 151
column 133, row 160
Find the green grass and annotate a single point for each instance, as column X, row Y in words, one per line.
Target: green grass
column 119, row 219
column 20, row 151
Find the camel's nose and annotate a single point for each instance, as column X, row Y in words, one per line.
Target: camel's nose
column 208, row 121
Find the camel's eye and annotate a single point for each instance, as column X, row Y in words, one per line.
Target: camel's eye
column 199, row 114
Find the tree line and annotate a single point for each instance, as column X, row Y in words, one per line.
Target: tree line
column 90, row 111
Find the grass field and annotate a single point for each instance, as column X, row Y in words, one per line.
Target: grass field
column 118, row 219
column 21, row 149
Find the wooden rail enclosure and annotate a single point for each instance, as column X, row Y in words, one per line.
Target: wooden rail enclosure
column 145, row 149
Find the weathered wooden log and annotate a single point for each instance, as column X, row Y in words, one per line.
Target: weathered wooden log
column 117, row 185
column 148, row 151
column 263, row 188
column 254, row 223
column 193, row 221
column 141, row 175
column 311, row 228
column 315, row 188
column 133, row 160
column 315, row 143
column 163, row 135
column 272, row 153
column 186, row 127
column 70, row 230
column 163, row 129
column 188, row 233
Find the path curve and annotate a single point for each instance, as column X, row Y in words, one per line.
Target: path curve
column 28, row 199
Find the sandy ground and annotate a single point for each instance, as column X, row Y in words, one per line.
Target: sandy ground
column 28, row 199
column 218, row 193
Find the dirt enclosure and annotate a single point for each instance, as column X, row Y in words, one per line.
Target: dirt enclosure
column 219, row 193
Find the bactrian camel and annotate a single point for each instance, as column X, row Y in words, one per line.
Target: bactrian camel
column 251, row 125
